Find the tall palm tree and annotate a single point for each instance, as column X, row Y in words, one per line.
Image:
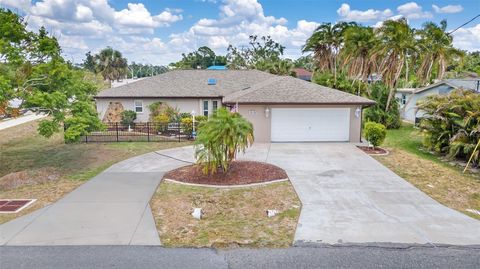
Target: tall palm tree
column 111, row 64
column 437, row 50
column 396, row 41
column 325, row 43
column 358, row 52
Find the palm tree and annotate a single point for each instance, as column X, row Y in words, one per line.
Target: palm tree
column 111, row 64
column 357, row 53
column 325, row 43
column 396, row 41
column 437, row 50
column 220, row 138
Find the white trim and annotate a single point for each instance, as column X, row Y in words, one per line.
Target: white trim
column 135, row 106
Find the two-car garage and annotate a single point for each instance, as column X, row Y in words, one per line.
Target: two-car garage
column 310, row 124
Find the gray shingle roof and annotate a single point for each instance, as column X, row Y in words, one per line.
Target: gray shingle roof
column 286, row 89
column 242, row 86
column 466, row 84
column 189, row 83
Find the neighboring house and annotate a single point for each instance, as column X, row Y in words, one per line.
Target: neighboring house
column 408, row 97
column 303, row 73
column 281, row 108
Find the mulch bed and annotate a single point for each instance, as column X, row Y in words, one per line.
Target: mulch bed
column 370, row 150
column 240, row 172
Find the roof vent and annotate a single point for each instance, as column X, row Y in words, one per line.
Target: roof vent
column 212, row 81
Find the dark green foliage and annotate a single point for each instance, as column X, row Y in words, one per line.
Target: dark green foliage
column 377, row 113
column 375, row 133
column 128, row 117
column 452, row 124
column 343, row 83
column 202, row 58
column 261, row 51
column 33, row 70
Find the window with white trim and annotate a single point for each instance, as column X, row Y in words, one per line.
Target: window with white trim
column 138, row 106
column 205, row 108
column 214, row 106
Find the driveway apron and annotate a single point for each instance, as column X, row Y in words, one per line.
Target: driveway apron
column 110, row 209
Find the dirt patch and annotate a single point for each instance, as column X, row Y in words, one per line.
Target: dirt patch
column 231, row 217
column 28, row 177
column 373, row 151
column 240, row 172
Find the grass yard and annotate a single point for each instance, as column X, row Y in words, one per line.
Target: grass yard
column 232, row 217
column 32, row 166
column 428, row 172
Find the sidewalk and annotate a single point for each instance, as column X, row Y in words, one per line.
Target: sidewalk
column 22, row 119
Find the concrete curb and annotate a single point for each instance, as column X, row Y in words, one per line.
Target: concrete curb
column 226, row 186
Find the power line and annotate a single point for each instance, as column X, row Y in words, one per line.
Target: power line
column 464, row 24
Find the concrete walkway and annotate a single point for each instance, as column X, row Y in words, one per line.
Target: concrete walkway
column 20, row 120
column 348, row 197
column 110, row 209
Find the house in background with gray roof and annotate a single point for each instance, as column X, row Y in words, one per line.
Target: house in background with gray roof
column 281, row 108
column 409, row 97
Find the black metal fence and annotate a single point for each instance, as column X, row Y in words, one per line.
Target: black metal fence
column 140, row 132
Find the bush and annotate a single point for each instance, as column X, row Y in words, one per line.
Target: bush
column 451, row 124
column 161, row 122
column 375, row 133
column 391, row 118
column 128, row 117
column 159, row 108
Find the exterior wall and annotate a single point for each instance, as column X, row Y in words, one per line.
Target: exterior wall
column 262, row 125
column 410, row 111
column 183, row 104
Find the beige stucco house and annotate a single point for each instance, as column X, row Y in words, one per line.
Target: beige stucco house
column 281, row 108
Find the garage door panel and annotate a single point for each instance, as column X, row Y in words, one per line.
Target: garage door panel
column 310, row 124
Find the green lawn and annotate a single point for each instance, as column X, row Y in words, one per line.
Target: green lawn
column 430, row 173
column 32, row 166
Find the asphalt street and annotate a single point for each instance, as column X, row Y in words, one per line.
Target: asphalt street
column 74, row 257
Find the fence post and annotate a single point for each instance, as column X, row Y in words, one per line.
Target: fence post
column 148, row 131
column 116, row 128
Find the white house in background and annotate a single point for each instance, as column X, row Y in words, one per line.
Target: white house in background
column 408, row 97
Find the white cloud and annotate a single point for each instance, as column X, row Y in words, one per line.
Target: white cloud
column 347, row 14
column 448, row 9
column 20, row 4
column 136, row 15
column 467, row 38
column 412, row 10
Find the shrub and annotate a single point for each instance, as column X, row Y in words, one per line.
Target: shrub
column 159, row 108
column 186, row 125
column 375, row 133
column 220, row 138
column 184, row 115
column 391, row 118
column 451, row 124
column 161, row 122
column 128, row 117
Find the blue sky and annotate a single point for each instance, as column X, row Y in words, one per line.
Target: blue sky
column 159, row 31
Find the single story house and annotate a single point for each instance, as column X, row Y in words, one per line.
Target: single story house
column 409, row 97
column 281, row 108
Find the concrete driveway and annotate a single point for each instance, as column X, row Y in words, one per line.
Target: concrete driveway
column 349, row 197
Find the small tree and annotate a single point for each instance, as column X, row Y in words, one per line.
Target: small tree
column 128, row 117
column 220, row 138
column 375, row 133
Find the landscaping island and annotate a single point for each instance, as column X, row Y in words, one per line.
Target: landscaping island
column 239, row 173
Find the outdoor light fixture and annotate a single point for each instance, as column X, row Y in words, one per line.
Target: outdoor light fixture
column 357, row 112
column 267, row 112
column 193, row 124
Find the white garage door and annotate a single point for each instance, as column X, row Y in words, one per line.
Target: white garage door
column 310, row 124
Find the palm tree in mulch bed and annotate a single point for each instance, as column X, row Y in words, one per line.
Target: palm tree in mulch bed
column 220, row 139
